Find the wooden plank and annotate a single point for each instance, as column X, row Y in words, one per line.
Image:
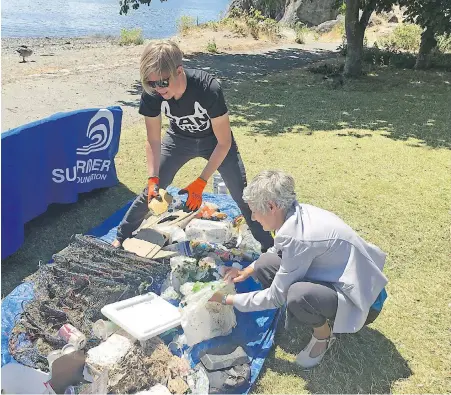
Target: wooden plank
column 140, row 247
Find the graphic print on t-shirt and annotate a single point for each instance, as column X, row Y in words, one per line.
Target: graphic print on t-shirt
column 198, row 122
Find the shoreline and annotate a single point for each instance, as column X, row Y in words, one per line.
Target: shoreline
column 10, row 44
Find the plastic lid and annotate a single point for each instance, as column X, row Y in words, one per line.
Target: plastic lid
column 143, row 316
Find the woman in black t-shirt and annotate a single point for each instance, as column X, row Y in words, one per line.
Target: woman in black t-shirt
column 199, row 126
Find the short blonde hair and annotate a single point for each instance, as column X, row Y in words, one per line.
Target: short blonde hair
column 160, row 58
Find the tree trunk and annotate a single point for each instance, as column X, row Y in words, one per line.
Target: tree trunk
column 355, row 32
column 428, row 43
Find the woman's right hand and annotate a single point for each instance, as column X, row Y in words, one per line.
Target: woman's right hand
column 236, row 275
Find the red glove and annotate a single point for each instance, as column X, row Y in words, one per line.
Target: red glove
column 194, row 191
column 153, row 188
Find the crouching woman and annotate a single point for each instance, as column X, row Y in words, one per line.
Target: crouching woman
column 319, row 266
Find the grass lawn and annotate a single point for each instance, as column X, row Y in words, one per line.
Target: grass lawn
column 376, row 152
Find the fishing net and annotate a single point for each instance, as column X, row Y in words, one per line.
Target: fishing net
column 143, row 367
column 83, row 278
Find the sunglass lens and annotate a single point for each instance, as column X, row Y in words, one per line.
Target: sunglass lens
column 159, row 84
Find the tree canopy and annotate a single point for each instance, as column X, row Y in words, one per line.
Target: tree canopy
column 435, row 14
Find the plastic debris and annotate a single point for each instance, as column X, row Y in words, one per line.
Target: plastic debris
column 198, row 381
column 201, row 319
column 110, row 352
column 211, row 231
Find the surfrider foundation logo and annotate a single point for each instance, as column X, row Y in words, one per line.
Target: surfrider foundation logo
column 85, row 171
column 198, row 122
column 100, row 135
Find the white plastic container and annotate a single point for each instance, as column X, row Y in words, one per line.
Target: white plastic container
column 21, row 379
column 68, row 349
column 211, row 231
column 103, row 329
column 143, row 316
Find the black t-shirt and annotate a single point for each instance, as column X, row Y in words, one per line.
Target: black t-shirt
column 191, row 114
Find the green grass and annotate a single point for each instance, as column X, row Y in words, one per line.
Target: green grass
column 212, row 47
column 185, row 24
column 376, row 153
column 131, row 36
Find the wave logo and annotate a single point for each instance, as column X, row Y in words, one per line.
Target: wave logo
column 100, row 134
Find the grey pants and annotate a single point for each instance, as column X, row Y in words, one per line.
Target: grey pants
column 309, row 302
column 176, row 150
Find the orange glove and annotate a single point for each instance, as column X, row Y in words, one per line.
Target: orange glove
column 153, row 188
column 194, row 191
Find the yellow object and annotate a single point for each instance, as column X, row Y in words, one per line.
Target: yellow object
column 156, row 207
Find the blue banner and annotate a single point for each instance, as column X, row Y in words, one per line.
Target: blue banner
column 52, row 161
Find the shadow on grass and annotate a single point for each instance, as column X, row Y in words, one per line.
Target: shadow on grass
column 231, row 69
column 51, row 231
column 267, row 94
column 364, row 362
column 400, row 104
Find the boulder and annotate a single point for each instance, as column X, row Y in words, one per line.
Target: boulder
column 327, row 26
column 311, row 13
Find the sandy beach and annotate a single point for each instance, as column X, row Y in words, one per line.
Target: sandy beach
column 65, row 74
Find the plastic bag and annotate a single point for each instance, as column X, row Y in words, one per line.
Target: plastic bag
column 203, row 248
column 211, row 231
column 176, row 233
column 201, row 319
column 245, row 241
column 170, row 294
column 198, row 381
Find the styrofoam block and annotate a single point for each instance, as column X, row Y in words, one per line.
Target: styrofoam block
column 108, row 353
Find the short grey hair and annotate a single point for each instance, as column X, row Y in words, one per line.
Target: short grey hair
column 270, row 186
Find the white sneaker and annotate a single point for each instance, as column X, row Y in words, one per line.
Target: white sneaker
column 305, row 360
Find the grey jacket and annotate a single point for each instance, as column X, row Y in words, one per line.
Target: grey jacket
column 317, row 245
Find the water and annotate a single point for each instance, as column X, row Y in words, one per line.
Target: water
column 59, row 18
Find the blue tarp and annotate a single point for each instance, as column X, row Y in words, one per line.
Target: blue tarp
column 52, row 161
column 254, row 331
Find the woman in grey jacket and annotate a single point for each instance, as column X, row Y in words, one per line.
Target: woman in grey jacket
column 320, row 267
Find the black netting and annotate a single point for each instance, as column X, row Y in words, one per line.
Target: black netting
column 83, row 278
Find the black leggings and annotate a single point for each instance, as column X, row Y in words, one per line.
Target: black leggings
column 176, row 150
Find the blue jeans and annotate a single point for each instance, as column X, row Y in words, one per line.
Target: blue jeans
column 176, row 150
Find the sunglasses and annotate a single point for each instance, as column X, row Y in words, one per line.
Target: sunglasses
column 164, row 83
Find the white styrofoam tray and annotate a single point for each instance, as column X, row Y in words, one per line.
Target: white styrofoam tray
column 143, row 316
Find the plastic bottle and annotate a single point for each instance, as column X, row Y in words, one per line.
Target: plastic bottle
column 219, row 186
